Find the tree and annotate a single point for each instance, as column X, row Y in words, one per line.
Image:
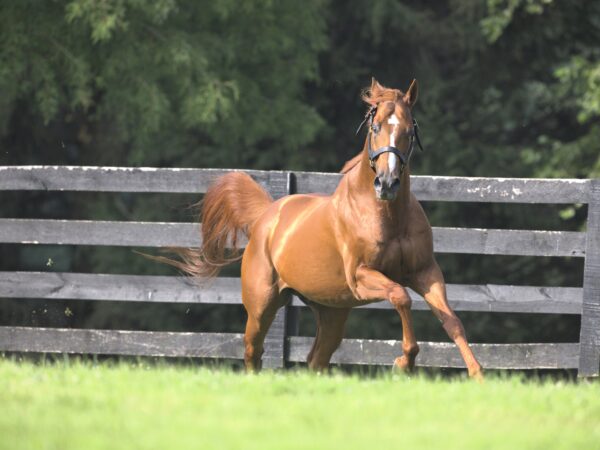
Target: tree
column 167, row 82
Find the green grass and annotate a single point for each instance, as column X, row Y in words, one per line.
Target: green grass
column 140, row 406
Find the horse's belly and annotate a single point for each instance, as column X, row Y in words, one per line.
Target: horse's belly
column 314, row 271
column 304, row 254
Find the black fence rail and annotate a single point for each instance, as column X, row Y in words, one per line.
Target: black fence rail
column 281, row 347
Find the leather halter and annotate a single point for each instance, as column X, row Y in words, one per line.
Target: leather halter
column 374, row 154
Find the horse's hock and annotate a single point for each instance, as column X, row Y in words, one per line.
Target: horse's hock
column 281, row 346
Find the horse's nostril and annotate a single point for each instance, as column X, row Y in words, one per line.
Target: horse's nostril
column 395, row 183
column 377, row 183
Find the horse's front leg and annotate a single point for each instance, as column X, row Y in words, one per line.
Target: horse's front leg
column 430, row 284
column 373, row 285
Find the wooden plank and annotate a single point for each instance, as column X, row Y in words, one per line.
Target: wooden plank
column 118, row 179
column 469, row 189
column 309, row 182
column 88, row 232
column 118, row 342
column 442, row 354
column 521, row 299
column 589, row 356
column 131, row 288
column 275, row 345
column 163, row 234
column 497, row 298
column 171, row 289
column 187, row 180
column 508, row 242
column 230, row 345
column 500, row 190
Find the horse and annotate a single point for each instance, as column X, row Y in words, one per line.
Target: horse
column 365, row 243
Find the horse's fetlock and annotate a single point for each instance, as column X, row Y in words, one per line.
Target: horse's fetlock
column 411, row 350
column 253, row 353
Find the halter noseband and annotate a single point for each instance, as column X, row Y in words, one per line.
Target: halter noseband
column 374, row 154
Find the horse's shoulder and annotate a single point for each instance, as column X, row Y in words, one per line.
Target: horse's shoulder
column 415, row 209
column 418, row 223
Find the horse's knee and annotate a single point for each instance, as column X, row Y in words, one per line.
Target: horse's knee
column 399, row 297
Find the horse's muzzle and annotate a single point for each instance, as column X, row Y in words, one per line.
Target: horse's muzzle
column 386, row 187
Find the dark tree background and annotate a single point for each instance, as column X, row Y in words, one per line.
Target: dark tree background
column 508, row 88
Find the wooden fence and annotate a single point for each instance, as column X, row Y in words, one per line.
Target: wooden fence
column 281, row 347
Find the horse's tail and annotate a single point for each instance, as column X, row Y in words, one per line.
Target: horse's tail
column 231, row 205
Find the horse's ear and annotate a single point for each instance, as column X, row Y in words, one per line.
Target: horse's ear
column 410, row 98
column 375, row 86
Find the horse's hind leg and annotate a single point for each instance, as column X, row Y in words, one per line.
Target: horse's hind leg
column 261, row 298
column 331, row 323
column 257, row 326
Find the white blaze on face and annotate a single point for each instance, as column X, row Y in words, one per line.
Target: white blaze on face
column 393, row 159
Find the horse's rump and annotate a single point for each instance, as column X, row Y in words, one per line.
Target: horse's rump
column 231, row 206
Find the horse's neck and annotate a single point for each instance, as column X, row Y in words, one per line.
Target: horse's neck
column 389, row 214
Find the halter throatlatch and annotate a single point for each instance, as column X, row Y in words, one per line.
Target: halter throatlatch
column 374, row 154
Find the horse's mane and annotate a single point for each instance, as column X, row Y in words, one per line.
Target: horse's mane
column 348, row 165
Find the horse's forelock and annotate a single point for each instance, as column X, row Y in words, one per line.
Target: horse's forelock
column 383, row 94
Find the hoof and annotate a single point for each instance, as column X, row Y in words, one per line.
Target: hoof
column 477, row 375
column 401, row 364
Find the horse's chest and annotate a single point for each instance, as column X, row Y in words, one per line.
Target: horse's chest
column 397, row 256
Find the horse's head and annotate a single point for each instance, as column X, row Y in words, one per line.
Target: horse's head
column 392, row 135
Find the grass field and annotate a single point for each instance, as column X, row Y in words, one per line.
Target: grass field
column 136, row 406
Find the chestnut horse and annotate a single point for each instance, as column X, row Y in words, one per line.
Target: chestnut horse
column 362, row 244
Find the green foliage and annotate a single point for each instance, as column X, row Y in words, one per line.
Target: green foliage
column 182, row 82
column 502, row 12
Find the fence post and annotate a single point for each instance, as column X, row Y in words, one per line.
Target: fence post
column 589, row 340
column 280, row 185
column 293, row 314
